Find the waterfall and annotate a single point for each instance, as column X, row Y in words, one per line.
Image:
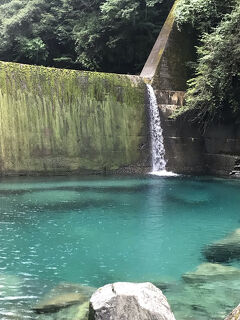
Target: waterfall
column 157, row 145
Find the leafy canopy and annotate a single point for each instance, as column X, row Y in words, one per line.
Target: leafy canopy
column 214, row 92
column 106, row 35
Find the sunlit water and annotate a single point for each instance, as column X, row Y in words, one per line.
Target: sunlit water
column 95, row 231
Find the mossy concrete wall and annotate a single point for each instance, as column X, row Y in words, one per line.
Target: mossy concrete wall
column 58, row 121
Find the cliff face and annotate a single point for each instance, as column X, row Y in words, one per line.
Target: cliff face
column 58, row 121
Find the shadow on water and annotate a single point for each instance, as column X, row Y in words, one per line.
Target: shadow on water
column 190, row 202
column 21, row 213
column 101, row 189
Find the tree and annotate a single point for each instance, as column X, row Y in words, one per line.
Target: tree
column 203, row 15
column 214, row 93
column 105, row 35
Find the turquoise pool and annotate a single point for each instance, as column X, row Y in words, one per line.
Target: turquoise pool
column 99, row 230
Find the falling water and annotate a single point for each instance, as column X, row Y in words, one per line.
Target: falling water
column 158, row 150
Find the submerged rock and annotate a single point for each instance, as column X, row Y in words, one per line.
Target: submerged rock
column 75, row 312
column 201, row 302
column 207, row 272
column 65, row 287
column 82, row 312
column 209, row 292
column 225, row 249
column 235, row 314
column 59, row 302
column 204, row 300
column 63, row 296
column 125, row 301
column 163, row 285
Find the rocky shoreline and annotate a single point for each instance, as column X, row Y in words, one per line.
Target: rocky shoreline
column 119, row 301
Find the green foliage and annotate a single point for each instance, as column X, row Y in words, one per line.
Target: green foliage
column 32, row 49
column 214, row 93
column 106, row 35
column 202, row 14
column 119, row 36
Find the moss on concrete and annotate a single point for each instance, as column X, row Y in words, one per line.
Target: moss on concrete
column 166, row 67
column 172, row 72
column 54, row 120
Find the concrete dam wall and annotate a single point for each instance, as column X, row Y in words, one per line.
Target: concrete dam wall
column 55, row 121
column 188, row 150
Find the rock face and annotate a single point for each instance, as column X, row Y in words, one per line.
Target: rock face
column 224, row 250
column 212, row 272
column 125, row 301
column 235, row 314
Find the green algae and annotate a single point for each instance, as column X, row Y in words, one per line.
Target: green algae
column 55, row 120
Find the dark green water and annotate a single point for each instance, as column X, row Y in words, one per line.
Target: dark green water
column 95, row 231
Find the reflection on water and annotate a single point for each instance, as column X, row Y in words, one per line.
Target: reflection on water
column 95, row 231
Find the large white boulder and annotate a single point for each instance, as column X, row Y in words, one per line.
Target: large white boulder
column 129, row 301
column 235, row 314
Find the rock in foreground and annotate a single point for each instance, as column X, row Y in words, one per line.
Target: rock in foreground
column 224, row 250
column 125, row 301
column 235, row 314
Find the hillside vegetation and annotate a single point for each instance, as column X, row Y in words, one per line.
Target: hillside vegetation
column 103, row 35
column 213, row 93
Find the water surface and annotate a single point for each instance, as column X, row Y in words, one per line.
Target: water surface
column 99, row 230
